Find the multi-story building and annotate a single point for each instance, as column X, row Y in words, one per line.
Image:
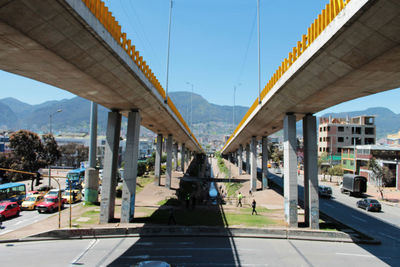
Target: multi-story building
column 384, row 156
column 336, row 133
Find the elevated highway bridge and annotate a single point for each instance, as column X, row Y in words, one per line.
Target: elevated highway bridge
column 351, row 50
column 79, row 46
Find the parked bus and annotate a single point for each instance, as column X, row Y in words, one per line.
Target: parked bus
column 14, row 192
column 75, row 178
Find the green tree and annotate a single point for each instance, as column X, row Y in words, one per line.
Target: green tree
column 27, row 153
column 51, row 152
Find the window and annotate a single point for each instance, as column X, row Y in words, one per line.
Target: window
column 329, row 128
column 340, row 139
column 320, row 129
column 344, row 162
column 320, row 139
column 328, row 139
column 339, row 150
column 340, row 129
column 369, row 130
column 369, row 141
column 320, row 149
column 324, row 129
column 351, row 163
column 327, row 149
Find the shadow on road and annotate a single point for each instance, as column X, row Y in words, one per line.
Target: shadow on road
column 185, row 231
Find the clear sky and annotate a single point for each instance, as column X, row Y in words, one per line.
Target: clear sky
column 213, row 47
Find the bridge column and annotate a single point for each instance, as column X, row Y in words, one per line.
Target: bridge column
column 176, row 156
column 183, row 157
column 130, row 172
column 91, row 174
column 311, row 201
column 248, row 158
column 240, row 162
column 290, row 169
column 253, row 164
column 109, row 183
column 168, row 175
column 157, row 163
column 264, row 162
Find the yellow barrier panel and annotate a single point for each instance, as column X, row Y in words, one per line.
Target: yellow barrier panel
column 332, row 9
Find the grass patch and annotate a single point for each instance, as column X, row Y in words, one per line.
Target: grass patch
column 248, row 219
column 93, row 215
column 232, row 188
column 142, row 181
column 169, row 202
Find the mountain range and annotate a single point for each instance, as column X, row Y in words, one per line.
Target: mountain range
column 75, row 114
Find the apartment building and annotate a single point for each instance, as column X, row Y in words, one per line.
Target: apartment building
column 336, row 133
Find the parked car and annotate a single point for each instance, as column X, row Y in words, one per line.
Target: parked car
column 369, row 204
column 72, row 196
column 9, row 209
column 50, row 204
column 31, row 201
column 324, row 191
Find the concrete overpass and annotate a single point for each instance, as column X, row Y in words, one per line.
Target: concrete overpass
column 79, row 46
column 351, row 50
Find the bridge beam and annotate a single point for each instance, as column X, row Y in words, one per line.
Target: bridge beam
column 157, row 164
column 240, row 162
column 131, row 164
column 248, row 158
column 311, row 201
column 183, row 157
column 253, row 164
column 109, row 183
column 168, row 175
column 264, row 161
column 290, row 169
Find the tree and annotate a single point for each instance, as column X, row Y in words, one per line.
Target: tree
column 277, row 155
column 382, row 175
column 27, row 153
column 72, row 154
column 336, row 170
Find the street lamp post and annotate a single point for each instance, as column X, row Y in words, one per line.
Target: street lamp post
column 51, row 133
column 191, row 106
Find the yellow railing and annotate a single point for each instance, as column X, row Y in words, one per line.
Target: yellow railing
column 332, row 9
column 98, row 8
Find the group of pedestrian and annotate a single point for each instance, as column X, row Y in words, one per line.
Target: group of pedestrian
column 253, row 204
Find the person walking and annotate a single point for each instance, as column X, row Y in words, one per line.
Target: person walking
column 253, row 205
column 239, row 196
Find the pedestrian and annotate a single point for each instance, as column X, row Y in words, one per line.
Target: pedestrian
column 239, row 196
column 253, row 205
column 171, row 218
column 250, row 193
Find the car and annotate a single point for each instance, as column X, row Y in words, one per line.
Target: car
column 31, row 201
column 33, row 192
column 324, row 191
column 50, row 204
column 72, row 196
column 369, row 204
column 55, row 192
column 9, row 209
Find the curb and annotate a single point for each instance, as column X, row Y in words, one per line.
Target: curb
column 184, row 231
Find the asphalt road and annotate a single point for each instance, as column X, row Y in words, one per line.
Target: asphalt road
column 189, row 251
column 26, row 218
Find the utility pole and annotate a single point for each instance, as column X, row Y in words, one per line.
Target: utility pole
column 259, row 63
column 169, row 41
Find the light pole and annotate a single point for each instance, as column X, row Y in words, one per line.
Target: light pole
column 51, row 133
column 234, row 103
column 169, row 41
column 191, row 105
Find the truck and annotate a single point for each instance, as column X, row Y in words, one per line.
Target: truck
column 353, row 184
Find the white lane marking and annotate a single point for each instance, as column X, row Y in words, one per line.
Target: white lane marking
column 18, row 222
column 361, row 220
column 391, row 237
column 91, row 244
column 5, row 232
column 362, row 255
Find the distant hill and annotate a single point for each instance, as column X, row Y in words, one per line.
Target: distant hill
column 15, row 114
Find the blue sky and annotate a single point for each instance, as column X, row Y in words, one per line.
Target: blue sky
column 213, row 46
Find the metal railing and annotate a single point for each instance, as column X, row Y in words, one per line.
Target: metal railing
column 332, row 9
column 101, row 12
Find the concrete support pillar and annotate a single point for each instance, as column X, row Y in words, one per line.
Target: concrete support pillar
column 93, row 135
column 175, row 149
column 290, row 169
column 130, row 172
column 109, row 183
column 311, row 209
column 157, row 163
column 240, row 159
column 183, row 151
column 264, row 161
column 91, row 185
column 253, row 164
column 168, row 175
column 248, row 158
